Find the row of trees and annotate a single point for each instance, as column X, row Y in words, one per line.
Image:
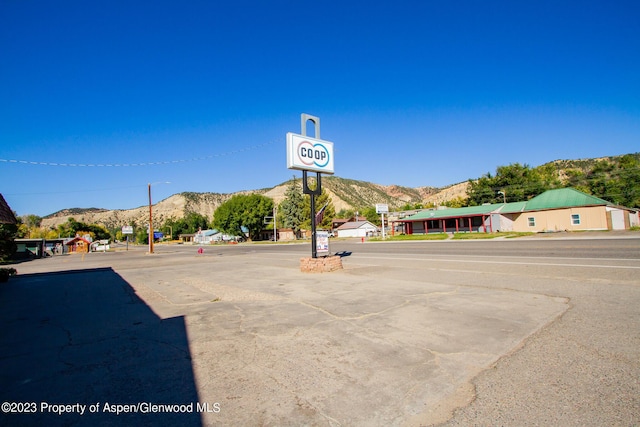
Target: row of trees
column 239, row 214
column 616, row 180
column 294, row 212
column 29, row 227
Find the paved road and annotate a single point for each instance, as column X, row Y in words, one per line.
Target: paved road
column 526, row 332
column 604, row 246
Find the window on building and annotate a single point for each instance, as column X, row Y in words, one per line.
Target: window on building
column 575, row 219
column 532, row 221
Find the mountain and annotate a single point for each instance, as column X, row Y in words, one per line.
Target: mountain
column 585, row 174
column 345, row 194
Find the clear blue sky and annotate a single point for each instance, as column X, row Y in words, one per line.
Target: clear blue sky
column 413, row 93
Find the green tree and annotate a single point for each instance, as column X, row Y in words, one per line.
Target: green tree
column 191, row 223
column 31, row 220
column 346, row 213
column 629, row 178
column 195, row 222
column 142, row 236
column 371, row 215
column 73, row 227
column 518, row 183
column 329, row 212
column 291, row 209
column 409, row 206
column 617, row 182
column 8, row 247
column 243, row 210
column 457, row 202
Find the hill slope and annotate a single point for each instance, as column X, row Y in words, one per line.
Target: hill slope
column 345, row 194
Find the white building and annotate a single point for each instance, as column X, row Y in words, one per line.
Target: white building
column 207, row 237
column 356, row 229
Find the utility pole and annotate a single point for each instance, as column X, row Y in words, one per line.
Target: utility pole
column 150, row 223
column 275, row 225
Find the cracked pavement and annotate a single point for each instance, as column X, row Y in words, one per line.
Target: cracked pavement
column 378, row 343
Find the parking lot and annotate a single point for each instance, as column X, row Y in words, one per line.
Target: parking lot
column 539, row 331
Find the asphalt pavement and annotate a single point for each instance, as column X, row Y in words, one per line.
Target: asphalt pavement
column 405, row 334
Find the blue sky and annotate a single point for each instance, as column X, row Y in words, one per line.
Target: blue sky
column 202, row 93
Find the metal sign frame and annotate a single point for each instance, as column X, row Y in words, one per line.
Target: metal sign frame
column 310, row 155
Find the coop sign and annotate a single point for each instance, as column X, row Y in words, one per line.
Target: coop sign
column 310, row 154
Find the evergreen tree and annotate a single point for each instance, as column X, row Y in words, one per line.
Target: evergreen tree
column 291, row 209
column 323, row 200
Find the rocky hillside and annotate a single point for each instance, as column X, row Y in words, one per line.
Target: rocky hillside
column 345, row 194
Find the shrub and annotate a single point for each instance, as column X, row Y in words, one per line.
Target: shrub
column 5, row 273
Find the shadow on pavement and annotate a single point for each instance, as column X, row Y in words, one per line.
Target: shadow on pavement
column 85, row 339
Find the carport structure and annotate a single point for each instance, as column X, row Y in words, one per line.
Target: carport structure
column 484, row 218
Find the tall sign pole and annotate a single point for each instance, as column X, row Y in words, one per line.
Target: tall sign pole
column 310, row 155
column 382, row 209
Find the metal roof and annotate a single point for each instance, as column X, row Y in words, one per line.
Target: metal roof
column 455, row 212
column 563, row 198
column 550, row 199
column 355, row 224
column 513, row 207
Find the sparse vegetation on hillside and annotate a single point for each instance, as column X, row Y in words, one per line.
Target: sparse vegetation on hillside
column 615, row 179
column 361, row 194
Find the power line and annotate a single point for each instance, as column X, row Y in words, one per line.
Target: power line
column 166, row 162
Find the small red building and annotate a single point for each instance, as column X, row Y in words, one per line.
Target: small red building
column 78, row 245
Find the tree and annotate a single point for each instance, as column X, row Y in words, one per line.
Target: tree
column 142, row 236
column 323, row 200
column 31, row 220
column 518, row 182
column 409, row 206
column 73, row 227
column 291, row 209
column 371, row 215
column 243, row 210
column 457, row 202
column 617, row 183
column 8, row 246
column 191, row 223
column 195, row 222
column 346, row 213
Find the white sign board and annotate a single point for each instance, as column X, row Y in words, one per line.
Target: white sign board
column 310, row 154
column 322, row 242
column 127, row 229
column 382, row 208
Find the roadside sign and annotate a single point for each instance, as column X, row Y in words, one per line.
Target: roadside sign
column 382, row 208
column 127, row 229
column 309, row 154
column 322, row 242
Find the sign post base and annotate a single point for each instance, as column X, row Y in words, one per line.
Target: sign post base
column 320, row 265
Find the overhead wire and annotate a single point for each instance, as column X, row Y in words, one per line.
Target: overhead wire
column 166, row 162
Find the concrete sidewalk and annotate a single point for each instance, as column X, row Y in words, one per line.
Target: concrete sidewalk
column 250, row 340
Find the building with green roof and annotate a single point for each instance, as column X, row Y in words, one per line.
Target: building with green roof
column 564, row 209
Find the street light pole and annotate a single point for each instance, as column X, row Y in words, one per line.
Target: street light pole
column 504, row 196
column 275, row 225
column 150, row 223
column 151, row 216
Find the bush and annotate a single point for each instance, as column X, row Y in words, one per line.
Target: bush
column 5, row 273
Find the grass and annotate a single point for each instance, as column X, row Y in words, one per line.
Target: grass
column 403, row 237
column 476, row 236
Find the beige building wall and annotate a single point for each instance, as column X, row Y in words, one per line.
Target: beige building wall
column 590, row 218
